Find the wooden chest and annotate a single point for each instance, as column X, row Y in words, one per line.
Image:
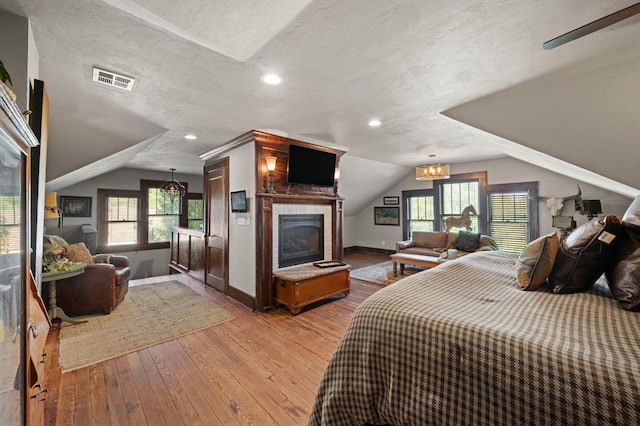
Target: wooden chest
column 299, row 286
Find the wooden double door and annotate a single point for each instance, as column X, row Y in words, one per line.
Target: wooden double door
column 217, row 225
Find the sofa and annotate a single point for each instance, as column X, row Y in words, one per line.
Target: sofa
column 102, row 286
column 435, row 243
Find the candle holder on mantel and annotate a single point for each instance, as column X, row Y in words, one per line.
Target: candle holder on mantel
column 270, row 160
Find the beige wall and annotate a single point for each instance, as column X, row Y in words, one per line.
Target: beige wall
column 242, row 229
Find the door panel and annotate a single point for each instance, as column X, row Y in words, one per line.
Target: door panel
column 217, row 228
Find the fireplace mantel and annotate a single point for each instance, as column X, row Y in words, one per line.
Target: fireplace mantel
column 264, row 230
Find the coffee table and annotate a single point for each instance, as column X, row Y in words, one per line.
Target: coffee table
column 413, row 259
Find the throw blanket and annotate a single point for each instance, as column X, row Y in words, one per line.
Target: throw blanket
column 461, row 344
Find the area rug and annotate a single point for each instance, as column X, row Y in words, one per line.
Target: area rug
column 382, row 273
column 150, row 314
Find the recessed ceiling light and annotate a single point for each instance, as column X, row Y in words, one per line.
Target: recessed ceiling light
column 375, row 123
column 271, row 79
column 191, row 137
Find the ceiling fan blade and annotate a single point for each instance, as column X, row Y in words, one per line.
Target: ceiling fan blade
column 592, row 26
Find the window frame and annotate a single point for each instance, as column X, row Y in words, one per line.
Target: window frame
column 143, row 230
column 103, row 222
column 532, row 189
column 189, row 197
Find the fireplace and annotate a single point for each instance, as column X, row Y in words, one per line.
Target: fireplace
column 300, row 239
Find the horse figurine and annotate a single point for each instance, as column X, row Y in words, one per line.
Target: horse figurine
column 463, row 220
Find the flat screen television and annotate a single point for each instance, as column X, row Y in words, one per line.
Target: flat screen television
column 239, row 201
column 310, row 166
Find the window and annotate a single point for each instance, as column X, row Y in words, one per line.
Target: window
column 195, row 212
column 421, row 212
column 10, row 212
column 163, row 213
column 122, row 220
column 456, row 196
column 141, row 220
column 512, row 217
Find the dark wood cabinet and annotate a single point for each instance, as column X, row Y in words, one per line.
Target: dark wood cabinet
column 24, row 324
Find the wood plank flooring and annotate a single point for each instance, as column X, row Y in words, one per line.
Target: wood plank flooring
column 261, row 369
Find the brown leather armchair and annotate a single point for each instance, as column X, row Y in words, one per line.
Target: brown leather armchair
column 101, row 287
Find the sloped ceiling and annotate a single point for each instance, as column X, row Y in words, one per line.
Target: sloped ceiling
column 197, row 66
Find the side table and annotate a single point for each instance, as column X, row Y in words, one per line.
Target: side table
column 51, row 277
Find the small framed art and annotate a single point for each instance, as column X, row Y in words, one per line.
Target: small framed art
column 390, row 201
column 76, row 206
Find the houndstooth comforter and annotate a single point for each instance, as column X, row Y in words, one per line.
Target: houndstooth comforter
column 461, row 344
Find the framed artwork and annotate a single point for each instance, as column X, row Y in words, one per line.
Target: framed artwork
column 386, row 215
column 390, row 201
column 76, row 206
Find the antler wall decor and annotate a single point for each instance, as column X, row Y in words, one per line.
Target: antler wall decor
column 555, row 204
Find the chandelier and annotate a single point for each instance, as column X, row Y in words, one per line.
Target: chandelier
column 432, row 171
column 172, row 189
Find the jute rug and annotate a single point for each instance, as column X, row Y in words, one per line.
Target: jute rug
column 382, row 273
column 150, row 314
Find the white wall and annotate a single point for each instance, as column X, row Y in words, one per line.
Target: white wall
column 362, row 232
column 143, row 263
column 242, row 229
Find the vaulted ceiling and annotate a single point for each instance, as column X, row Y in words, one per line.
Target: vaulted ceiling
column 464, row 80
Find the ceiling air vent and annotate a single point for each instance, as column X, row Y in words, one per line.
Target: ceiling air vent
column 112, row 79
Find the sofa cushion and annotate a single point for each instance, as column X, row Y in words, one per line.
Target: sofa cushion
column 429, row 239
column 467, row 241
column 78, row 252
column 424, row 251
column 584, row 255
column 536, row 262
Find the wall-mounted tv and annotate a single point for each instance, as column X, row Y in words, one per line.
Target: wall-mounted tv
column 310, row 166
column 239, row 201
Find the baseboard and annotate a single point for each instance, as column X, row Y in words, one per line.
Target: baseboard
column 242, row 297
column 358, row 249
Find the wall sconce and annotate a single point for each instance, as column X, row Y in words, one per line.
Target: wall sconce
column 51, row 210
column 270, row 160
column 336, row 177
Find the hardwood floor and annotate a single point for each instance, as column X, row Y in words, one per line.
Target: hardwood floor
column 256, row 369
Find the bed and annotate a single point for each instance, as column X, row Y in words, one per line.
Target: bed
column 461, row 344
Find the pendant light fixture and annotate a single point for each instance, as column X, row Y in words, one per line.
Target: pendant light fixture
column 172, row 189
column 432, row 171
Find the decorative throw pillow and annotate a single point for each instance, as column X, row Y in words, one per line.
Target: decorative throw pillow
column 623, row 272
column 467, row 241
column 536, row 262
column 584, row 254
column 78, row 252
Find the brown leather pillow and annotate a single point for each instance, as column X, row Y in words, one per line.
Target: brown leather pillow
column 623, row 272
column 584, row 254
column 536, row 262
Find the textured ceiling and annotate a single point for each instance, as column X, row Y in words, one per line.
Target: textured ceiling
column 423, row 67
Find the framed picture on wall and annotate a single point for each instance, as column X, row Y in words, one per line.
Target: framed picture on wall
column 386, row 215
column 390, row 201
column 76, row 206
